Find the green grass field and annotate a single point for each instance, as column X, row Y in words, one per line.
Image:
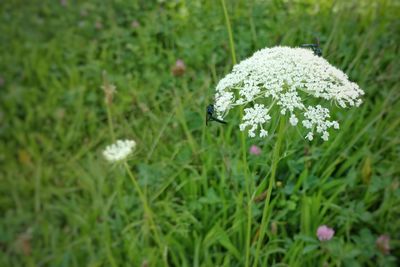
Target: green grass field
column 62, row 204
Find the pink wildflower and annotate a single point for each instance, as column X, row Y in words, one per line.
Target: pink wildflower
column 382, row 242
column 98, row 25
column 255, row 150
column 135, row 24
column 83, row 13
column 179, row 68
column 324, row 233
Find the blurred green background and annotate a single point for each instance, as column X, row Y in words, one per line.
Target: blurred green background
column 61, row 204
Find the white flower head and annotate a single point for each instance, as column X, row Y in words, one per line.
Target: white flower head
column 118, row 151
column 255, row 117
column 293, row 120
column 284, row 78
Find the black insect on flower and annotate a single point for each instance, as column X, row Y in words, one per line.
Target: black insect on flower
column 210, row 115
column 315, row 47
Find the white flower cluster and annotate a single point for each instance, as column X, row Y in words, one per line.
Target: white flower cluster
column 317, row 118
column 118, row 151
column 284, row 77
column 254, row 117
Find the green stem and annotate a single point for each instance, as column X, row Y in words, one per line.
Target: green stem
column 110, row 122
column 147, row 211
column 106, row 87
column 111, row 129
column 249, row 221
column 228, row 26
column 243, row 145
column 266, row 211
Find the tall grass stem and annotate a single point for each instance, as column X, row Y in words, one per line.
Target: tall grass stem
column 228, row 27
column 243, row 145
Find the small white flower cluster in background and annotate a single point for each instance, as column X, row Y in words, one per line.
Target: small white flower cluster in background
column 118, row 151
column 284, row 77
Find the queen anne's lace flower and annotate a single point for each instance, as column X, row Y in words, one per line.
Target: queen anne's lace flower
column 118, row 151
column 255, row 117
column 284, row 77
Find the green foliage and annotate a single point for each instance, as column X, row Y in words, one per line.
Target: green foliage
column 63, row 205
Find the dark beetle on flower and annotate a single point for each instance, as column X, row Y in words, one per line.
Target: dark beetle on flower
column 210, row 113
column 315, row 47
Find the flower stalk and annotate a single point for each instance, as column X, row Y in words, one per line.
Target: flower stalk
column 119, row 152
column 147, row 210
column 228, row 26
column 267, row 210
column 243, row 145
column 109, row 91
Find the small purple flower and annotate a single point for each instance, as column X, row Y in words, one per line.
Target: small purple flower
column 179, row 68
column 1, row 81
column 98, row 25
column 255, row 150
column 83, row 13
column 180, row 63
column 383, row 244
column 324, row 233
column 135, row 24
